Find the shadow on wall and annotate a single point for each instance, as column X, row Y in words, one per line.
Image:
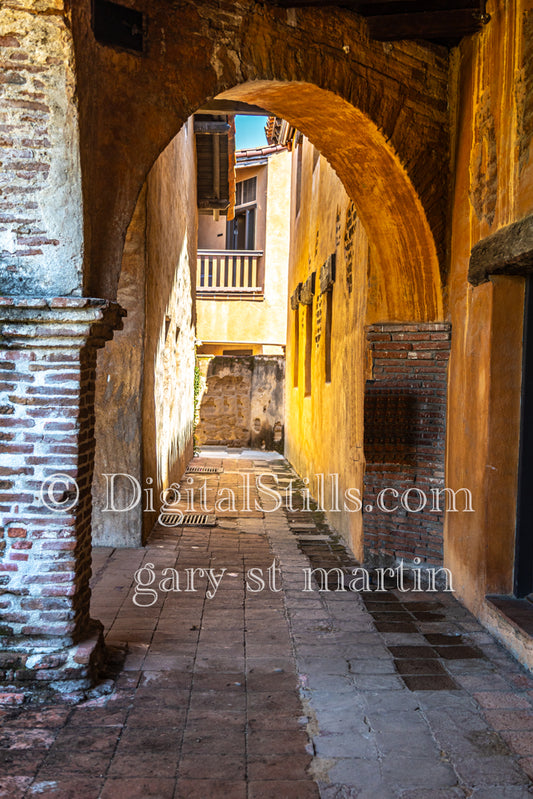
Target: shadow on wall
column 242, row 401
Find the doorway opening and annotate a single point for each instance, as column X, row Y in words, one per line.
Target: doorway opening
column 523, row 577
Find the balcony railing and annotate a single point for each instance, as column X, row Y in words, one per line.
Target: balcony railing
column 228, row 272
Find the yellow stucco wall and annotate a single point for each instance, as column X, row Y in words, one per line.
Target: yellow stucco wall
column 493, row 171
column 256, row 321
column 491, row 106
column 324, row 431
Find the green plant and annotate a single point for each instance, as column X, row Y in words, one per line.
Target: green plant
column 196, row 401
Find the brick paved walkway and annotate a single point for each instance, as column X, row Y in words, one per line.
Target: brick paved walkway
column 274, row 694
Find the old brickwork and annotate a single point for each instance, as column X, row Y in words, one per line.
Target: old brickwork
column 48, row 365
column 405, row 427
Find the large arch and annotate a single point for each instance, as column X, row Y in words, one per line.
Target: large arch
column 404, row 261
column 378, row 113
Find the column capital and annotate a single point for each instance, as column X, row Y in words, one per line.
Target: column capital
column 65, row 322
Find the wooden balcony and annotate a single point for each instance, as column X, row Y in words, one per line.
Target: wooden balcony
column 228, row 274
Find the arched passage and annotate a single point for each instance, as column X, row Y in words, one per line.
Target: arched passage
column 405, row 267
column 378, row 114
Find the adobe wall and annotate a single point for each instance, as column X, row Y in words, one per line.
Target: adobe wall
column 118, row 402
column 242, row 402
column 144, row 389
column 325, row 429
column 168, row 377
column 377, row 416
column 492, row 111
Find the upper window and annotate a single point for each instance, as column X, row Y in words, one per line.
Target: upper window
column 245, row 191
column 240, row 233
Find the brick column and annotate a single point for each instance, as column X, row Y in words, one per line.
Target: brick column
column 47, row 377
column 405, row 429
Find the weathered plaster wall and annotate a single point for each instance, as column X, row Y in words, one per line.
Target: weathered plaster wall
column 325, row 428
column 267, row 403
column 168, row 395
column 258, row 321
column 492, row 101
column 242, row 402
column 224, row 415
column 118, row 402
column 41, row 224
column 144, row 396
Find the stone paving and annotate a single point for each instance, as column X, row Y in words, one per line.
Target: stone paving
column 274, row 692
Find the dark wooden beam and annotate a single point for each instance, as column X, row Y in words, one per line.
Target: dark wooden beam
column 424, row 25
column 509, row 251
column 384, row 6
column 211, row 127
column 213, row 204
column 232, row 107
column 303, row 3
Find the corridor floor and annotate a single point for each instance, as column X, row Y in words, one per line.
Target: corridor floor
column 241, row 684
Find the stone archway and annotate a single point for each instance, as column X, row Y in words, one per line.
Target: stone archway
column 378, row 113
column 404, row 256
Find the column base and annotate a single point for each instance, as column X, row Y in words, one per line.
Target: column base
column 35, row 671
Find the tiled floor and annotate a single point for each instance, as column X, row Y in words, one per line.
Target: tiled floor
column 275, row 692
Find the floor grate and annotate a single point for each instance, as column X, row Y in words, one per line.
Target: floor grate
column 187, row 520
column 203, row 470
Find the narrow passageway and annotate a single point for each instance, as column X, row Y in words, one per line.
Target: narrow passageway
column 239, row 683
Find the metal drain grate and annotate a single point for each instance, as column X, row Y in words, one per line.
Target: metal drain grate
column 187, row 520
column 203, row 470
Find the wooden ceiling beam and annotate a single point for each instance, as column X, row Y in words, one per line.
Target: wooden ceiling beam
column 424, row 25
column 394, row 20
column 231, row 107
column 384, row 6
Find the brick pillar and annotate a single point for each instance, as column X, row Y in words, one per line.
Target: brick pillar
column 405, row 430
column 47, row 377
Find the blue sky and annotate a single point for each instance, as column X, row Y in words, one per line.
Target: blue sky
column 250, row 132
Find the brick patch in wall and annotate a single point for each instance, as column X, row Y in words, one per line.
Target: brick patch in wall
column 405, row 428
